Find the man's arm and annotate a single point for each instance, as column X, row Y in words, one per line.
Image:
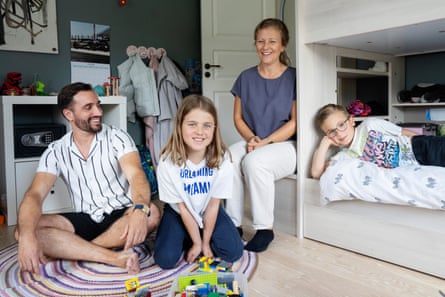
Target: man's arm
column 29, row 253
column 137, row 228
column 132, row 168
column 30, row 209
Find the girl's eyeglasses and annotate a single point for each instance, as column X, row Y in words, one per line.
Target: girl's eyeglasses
column 342, row 126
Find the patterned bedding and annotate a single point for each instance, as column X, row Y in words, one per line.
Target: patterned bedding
column 350, row 179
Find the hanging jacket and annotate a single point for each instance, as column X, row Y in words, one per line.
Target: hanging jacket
column 138, row 84
column 170, row 84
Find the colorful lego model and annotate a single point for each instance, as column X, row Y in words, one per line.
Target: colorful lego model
column 209, row 285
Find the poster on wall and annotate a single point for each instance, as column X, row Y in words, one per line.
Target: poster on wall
column 29, row 26
column 90, row 53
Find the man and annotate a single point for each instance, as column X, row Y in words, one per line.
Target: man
column 109, row 192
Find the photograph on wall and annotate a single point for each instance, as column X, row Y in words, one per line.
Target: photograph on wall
column 29, row 26
column 90, row 53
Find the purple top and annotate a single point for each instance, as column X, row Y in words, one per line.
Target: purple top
column 266, row 103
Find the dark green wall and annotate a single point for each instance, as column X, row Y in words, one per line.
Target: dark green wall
column 426, row 68
column 171, row 24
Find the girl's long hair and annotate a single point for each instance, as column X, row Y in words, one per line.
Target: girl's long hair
column 175, row 147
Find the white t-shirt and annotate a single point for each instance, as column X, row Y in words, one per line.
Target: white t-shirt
column 381, row 142
column 194, row 184
column 97, row 185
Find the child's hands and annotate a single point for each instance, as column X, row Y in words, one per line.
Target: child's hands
column 207, row 251
column 319, row 163
column 327, row 142
column 193, row 253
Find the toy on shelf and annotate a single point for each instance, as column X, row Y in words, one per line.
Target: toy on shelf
column 39, row 88
column 358, row 108
column 11, row 85
column 107, row 87
column 114, row 81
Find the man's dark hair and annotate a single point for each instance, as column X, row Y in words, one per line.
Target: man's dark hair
column 66, row 94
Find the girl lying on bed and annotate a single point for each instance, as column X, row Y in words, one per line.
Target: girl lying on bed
column 378, row 162
column 374, row 140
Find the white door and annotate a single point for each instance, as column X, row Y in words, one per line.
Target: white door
column 227, row 28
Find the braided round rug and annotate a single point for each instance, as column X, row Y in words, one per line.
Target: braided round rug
column 78, row 278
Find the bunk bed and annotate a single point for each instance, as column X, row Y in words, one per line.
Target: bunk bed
column 413, row 237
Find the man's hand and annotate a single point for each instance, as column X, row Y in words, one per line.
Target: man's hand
column 30, row 255
column 136, row 229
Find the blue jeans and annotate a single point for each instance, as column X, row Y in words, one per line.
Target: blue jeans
column 172, row 239
column 429, row 150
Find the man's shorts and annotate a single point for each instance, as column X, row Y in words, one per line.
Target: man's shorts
column 88, row 229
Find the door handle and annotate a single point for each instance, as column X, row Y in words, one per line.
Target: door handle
column 208, row 66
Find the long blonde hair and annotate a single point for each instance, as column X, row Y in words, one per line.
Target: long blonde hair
column 175, row 147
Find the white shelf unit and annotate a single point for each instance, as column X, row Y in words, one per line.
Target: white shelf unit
column 416, row 112
column 16, row 173
column 356, row 81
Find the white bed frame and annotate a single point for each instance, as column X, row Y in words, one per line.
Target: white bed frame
column 408, row 236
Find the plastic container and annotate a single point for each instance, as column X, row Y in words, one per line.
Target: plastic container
column 221, row 276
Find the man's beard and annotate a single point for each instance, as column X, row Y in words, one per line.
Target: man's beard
column 86, row 125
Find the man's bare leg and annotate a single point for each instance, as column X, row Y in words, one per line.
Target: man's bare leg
column 57, row 239
column 61, row 244
column 112, row 237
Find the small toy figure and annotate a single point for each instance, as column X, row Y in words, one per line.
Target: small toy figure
column 135, row 290
column 11, row 85
column 107, row 87
column 114, row 81
column 40, row 88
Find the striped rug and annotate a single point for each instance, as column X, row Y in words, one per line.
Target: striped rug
column 78, row 278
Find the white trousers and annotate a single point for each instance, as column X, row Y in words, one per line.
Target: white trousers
column 255, row 174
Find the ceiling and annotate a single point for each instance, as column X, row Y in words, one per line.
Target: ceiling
column 407, row 40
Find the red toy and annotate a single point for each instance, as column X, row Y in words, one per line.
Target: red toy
column 11, row 85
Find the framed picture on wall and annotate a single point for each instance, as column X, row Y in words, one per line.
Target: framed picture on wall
column 29, row 26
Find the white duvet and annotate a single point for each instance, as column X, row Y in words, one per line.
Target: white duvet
column 350, row 179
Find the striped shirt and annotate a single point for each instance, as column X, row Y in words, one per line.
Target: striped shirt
column 96, row 185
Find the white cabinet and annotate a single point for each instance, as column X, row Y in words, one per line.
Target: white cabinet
column 16, row 173
column 58, row 198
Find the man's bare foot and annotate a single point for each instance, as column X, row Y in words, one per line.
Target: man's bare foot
column 130, row 261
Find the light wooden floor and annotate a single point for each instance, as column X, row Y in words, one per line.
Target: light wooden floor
column 294, row 267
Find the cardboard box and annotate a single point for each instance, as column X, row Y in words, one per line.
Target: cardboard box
column 421, row 128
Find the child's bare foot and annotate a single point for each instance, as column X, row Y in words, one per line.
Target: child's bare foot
column 130, row 261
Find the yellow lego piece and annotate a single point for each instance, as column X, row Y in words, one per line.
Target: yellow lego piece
column 132, row 284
